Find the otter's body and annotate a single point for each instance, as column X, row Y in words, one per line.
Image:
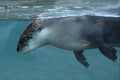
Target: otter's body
column 76, row 33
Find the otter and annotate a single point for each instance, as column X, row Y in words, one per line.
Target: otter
column 75, row 33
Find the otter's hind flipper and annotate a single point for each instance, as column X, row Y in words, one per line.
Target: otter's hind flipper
column 109, row 52
column 81, row 58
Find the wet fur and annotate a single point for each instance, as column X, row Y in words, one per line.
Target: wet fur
column 76, row 33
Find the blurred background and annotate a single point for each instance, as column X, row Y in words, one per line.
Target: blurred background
column 49, row 63
column 28, row 9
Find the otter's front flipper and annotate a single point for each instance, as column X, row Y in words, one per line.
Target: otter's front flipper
column 81, row 58
column 109, row 52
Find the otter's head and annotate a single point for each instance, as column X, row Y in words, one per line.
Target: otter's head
column 34, row 36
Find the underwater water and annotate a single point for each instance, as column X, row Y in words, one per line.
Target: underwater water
column 49, row 63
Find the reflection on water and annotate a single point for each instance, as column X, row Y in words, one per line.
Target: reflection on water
column 27, row 10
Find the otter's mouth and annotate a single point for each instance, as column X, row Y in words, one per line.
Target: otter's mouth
column 26, row 46
column 24, row 50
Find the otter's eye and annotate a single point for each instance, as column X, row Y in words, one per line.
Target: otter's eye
column 25, row 39
column 39, row 28
column 29, row 36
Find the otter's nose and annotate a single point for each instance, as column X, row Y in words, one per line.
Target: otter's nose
column 20, row 44
column 18, row 49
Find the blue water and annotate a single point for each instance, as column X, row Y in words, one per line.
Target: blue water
column 49, row 63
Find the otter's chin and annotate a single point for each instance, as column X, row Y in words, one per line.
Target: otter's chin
column 27, row 49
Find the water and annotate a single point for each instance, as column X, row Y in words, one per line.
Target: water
column 49, row 63
column 28, row 9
